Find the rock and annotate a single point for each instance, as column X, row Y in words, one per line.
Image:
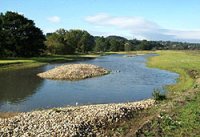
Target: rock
column 74, row 72
column 70, row 121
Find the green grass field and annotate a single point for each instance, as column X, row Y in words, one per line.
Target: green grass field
column 184, row 63
column 21, row 63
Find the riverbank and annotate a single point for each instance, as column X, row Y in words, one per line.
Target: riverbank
column 23, row 63
column 182, row 107
column 16, row 63
column 88, row 120
column 179, row 114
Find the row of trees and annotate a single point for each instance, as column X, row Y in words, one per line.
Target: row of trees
column 111, row 43
column 20, row 37
column 80, row 41
column 69, row 42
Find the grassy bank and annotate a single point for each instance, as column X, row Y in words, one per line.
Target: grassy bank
column 179, row 114
column 183, row 118
column 21, row 63
column 185, row 63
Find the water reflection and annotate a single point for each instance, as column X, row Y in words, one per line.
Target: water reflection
column 16, row 86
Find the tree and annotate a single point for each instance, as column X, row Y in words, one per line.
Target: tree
column 1, row 36
column 101, row 44
column 145, row 45
column 69, row 42
column 114, row 45
column 134, row 44
column 55, row 43
column 86, row 43
column 127, row 46
column 21, row 37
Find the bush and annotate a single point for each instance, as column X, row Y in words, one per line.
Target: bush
column 157, row 95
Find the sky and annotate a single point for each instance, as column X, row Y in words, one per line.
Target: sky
column 175, row 20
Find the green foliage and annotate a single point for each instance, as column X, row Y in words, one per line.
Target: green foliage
column 144, row 45
column 157, row 95
column 1, row 35
column 184, row 120
column 101, row 44
column 164, row 125
column 19, row 36
column 56, row 42
column 189, row 115
column 169, row 123
column 116, row 43
column 128, row 46
column 86, row 43
column 69, row 42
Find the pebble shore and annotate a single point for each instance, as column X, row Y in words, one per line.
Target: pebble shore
column 87, row 120
column 74, row 72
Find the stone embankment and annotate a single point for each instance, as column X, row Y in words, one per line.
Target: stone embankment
column 70, row 121
column 74, row 72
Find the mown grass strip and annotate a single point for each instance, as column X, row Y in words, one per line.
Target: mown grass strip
column 22, row 63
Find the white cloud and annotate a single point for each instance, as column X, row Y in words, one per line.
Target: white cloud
column 143, row 29
column 190, row 34
column 54, row 19
column 49, row 30
column 136, row 23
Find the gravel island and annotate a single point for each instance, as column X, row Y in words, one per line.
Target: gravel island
column 87, row 120
column 74, row 72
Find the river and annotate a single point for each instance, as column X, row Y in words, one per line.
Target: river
column 130, row 80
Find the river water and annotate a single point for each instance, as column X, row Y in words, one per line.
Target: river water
column 130, row 80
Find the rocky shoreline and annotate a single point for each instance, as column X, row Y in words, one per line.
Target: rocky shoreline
column 74, row 72
column 87, row 120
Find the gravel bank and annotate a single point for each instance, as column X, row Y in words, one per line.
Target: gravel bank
column 74, row 72
column 70, row 121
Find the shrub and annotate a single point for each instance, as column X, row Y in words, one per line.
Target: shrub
column 157, row 95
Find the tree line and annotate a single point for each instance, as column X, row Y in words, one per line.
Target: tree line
column 19, row 37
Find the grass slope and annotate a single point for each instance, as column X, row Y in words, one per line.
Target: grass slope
column 185, row 94
column 179, row 115
column 181, row 62
column 21, row 63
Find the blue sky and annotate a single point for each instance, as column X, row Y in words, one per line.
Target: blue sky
column 176, row 20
